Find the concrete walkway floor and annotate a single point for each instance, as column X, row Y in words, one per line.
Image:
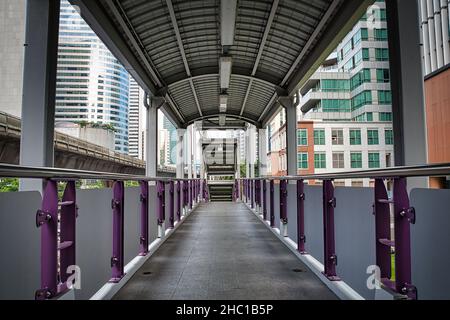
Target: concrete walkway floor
column 222, row 251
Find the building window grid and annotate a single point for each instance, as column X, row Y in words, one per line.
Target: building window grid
column 355, row 137
column 374, row 160
column 338, row 160
column 372, row 137
column 320, row 160
column 319, row 137
column 302, row 160
column 337, row 137
column 302, row 137
column 356, row 160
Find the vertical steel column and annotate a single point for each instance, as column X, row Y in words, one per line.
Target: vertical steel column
column 47, row 220
column 143, row 240
column 264, row 187
column 330, row 258
column 172, row 205
column 67, row 235
column 178, row 200
column 404, row 215
column 272, row 203
column 301, row 238
column 383, row 231
column 117, row 259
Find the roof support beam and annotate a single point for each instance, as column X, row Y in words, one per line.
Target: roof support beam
column 139, row 47
column 178, row 36
column 183, row 54
column 132, row 36
column 311, row 39
column 273, row 10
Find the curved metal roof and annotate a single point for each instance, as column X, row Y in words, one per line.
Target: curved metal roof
column 173, row 48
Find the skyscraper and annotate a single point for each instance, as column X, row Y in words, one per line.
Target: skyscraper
column 92, row 86
column 136, row 120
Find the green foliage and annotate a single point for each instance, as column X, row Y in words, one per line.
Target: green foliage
column 9, row 185
column 106, row 126
column 129, row 184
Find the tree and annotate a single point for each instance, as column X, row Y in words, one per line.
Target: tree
column 9, row 185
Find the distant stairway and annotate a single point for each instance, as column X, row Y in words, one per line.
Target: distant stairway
column 221, row 191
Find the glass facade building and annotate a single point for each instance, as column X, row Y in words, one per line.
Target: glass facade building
column 92, row 86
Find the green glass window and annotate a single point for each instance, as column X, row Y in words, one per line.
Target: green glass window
column 364, row 33
column 355, row 137
column 385, row 116
column 369, row 116
column 362, row 99
column 384, row 97
column 358, row 79
column 389, row 137
column 366, row 54
column 335, row 105
column 302, row 160
column 374, row 160
column 383, row 75
column 319, row 137
column 381, row 54
column 302, row 137
column 356, row 160
column 332, row 85
column 381, row 34
column 372, row 137
column 320, row 161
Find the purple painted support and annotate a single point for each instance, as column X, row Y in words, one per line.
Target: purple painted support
column 67, row 233
column 258, row 193
column 117, row 259
column 238, row 190
column 178, row 200
column 272, row 203
column 190, row 194
column 143, row 240
column 301, row 237
column 283, row 202
column 264, row 187
column 382, row 230
column 47, row 220
column 161, row 194
column 330, row 258
column 252, row 191
column 172, row 205
column 404, row 215
column 185, row 194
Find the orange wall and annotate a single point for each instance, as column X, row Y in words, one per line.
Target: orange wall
column 437, row 100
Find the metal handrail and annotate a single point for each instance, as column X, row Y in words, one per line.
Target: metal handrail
column 433, row 170
column 16, row 171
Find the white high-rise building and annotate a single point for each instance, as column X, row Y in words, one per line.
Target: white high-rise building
column 136, row 120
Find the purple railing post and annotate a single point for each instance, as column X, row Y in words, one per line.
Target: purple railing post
column 178, row 200
column 283, row 202
column 301, row 238
column 383, row 231
column 252, row 190
column 172, row 205
column 117, row 259
column 185, row 196
column 47, row 220
column 272, row 203
column 404, row 215
column 258, row 195
column 283, row 208
column 190, row 194
column 143, row 240
column 67, row 233
column 330, row 258
column 238, row 188
column 161, row 212
column 264, row 187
